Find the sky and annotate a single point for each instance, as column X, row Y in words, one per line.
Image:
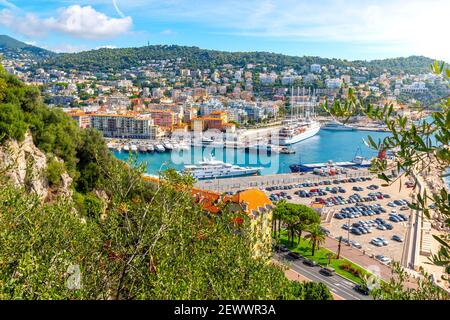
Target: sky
column 348, row 29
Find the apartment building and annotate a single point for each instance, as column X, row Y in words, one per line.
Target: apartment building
column 83, row 120
column 164, row 118
column 126, row 126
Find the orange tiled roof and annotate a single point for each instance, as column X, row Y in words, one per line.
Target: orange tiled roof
column 253, row 198
column 161, row 111
column 211, row 201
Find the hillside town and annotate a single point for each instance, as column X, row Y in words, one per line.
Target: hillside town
column 163, row 95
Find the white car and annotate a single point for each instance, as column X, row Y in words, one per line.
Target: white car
column 383, row 259
column 384, row 242
column 356, row 244
column 376, row 243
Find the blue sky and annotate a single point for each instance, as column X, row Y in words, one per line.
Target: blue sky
column 350, row 29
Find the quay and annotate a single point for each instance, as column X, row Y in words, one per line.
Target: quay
column 248, row 182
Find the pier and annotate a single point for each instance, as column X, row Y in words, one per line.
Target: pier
column 242, row 183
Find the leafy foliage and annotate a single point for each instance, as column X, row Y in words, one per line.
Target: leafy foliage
column 153, row 242
column 419, row 147
column 104, row 60
column 56, row 134
column 311, row 291
column 296, row 217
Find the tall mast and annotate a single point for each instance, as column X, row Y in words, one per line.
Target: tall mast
column 292, row 102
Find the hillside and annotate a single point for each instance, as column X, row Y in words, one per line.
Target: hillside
column 12, row 48
column 127, row 58
column 75, row 223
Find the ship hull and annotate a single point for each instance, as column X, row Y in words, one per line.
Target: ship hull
column 300, row 137
column 220, row 175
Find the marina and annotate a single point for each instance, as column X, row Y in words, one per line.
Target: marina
column 325, row 146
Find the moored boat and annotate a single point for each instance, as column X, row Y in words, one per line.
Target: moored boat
column 337, row 126
column 211, row 169
column 160, row 148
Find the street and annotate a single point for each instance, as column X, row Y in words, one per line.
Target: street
column 336, row 283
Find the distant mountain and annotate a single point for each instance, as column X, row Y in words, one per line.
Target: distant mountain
column 103, row 60
column 12, row 48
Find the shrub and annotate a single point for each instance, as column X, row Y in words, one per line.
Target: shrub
column 350, row 268
column 54, row 171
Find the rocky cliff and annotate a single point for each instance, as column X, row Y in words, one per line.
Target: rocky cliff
column 25, row 165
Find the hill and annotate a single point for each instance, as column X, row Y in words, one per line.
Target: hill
column 12, row 48
column 103, row 60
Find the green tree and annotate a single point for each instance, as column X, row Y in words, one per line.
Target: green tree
column 12, row 124
column 311, row 291
column 316, row 237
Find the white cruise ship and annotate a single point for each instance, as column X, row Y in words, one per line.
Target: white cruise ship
column 211, row 169
column 337, row 126
column 296, row 130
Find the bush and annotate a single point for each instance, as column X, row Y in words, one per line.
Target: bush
column 54, row 171
column 352, row 269
column 311, row 291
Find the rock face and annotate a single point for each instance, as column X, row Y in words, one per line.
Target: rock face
column 25, row 165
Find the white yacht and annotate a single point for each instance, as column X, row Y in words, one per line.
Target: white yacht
column 134, row 148
column 142, row 148
column 294, row 131
column 160, row 148
column 211, row 168
column 126, row 148
column 168, row 146
column 150, row 148
column 183, row 146
column 337, row 126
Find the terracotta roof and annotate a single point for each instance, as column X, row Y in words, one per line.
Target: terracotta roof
column 254, row 199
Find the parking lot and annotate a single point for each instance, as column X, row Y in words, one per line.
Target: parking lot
column 361, row 204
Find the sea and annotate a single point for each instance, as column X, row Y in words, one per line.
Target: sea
column 325, row 146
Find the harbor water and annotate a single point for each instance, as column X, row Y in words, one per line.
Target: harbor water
column 326, row 145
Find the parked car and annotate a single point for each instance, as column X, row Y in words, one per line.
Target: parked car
column 376, row 243
column 356, row 244
column 382, row 240
column 383, row 259
column 397, row 238
column 388, row 226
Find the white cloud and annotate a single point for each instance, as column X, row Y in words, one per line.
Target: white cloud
column 81, row 22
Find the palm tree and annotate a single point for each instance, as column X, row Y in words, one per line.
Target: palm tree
column 300, row 227
column 316, row 237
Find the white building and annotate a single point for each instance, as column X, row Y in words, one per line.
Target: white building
column 315, row 68
column 333, row 83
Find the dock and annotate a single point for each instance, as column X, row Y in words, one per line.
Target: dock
column 248, row 182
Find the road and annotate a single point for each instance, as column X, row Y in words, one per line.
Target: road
column 337, row 284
